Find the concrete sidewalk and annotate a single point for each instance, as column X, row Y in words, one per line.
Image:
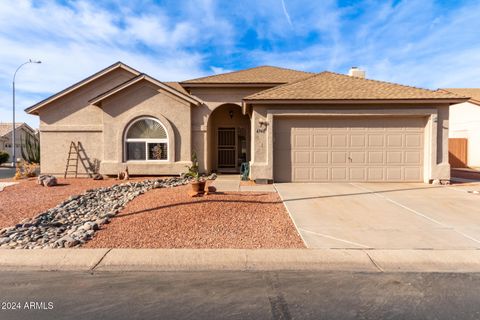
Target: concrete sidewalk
column 232, row 183
column 241, row 260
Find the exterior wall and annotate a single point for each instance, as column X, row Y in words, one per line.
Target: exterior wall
column 145, row 99
column 436, row 133
column 6, row 142
column 465, row 123
column 73, row 118
column 220, row 117
column 203, row 134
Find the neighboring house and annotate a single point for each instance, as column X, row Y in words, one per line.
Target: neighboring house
column 21, row 130
column 465, row 122
column 289, row 125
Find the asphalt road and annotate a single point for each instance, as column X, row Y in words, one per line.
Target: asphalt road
column 239, row 295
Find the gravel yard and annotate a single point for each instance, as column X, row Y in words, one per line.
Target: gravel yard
column 28, row 199
column 169, row 218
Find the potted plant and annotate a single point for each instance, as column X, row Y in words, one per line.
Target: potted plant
column 198, row 183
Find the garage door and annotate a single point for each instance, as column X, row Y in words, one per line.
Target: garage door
column 348, row 149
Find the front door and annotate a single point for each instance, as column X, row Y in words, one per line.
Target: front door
column 227, row 149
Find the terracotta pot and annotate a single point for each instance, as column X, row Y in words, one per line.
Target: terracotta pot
column 198, row 186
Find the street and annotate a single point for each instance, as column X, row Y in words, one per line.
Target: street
column 239, row 295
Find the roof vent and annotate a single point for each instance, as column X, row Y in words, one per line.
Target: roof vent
column 356, row 72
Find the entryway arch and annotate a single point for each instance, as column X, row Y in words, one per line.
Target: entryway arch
column 228, row 137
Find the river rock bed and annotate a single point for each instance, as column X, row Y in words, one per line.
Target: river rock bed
column 75, row 220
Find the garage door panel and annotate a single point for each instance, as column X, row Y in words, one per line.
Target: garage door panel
column 394, row 173
column 376, row 140
column 394, row 157
column 320, row 157
column 338, row 174
column 301, row 174
column 413, row 140
column 339, row 157
column 357, row 141
column 395, row 140
column 320, row 140
column 302, row 141
column 320, row 174
column 358, row 174
column 349, row 149
column 375, row 157
column 357, row 157
column 412, row 173
column 301, row 157
column 375, row 174
column 339, row 140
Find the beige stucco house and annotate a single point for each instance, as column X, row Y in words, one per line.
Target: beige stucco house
column 289, row 125
column 465, row 123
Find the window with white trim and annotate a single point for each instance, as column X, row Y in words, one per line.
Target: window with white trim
column 146, row 139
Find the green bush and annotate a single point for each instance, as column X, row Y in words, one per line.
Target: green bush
column 3, row 157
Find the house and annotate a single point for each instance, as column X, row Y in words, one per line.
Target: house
column 21, row 130
column 465, row 123
column 289, row 125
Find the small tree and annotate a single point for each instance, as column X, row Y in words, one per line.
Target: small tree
column 3, row 157
column 31, row 149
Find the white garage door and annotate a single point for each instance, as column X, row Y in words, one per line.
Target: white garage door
column 348, row 149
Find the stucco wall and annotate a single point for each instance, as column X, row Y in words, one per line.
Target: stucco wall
column 436, row 132
column 465, row 123
column 73, row 118
column 145, row 99
column 202, row 134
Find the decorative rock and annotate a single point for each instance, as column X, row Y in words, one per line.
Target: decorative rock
column 49, row 181
column 97, row 176
column 76, row 219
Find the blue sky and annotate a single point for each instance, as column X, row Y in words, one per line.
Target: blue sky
column 424, row 43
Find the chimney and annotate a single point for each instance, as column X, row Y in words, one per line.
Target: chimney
column 356, row 72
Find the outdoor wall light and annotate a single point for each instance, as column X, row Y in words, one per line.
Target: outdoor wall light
column 230, row 113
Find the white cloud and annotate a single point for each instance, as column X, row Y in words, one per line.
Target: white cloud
column 74, row 42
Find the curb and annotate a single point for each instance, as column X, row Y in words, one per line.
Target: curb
column 458, row 261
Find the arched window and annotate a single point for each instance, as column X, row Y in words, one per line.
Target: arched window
column 146, row 139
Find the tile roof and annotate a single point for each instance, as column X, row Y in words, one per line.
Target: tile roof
column 333, row 86
column 261, row 74
column 6, row 128
column 473, row 93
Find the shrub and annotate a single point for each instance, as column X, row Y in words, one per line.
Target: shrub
column 3, row 157
column 31, row 149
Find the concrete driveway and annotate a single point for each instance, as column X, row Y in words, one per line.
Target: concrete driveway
column 384, row 215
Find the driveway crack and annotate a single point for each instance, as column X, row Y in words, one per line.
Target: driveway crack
column 373, row 261
column 100, row 260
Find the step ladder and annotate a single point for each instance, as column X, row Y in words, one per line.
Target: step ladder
column 77, row 154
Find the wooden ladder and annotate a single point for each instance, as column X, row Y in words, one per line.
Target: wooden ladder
column 76, row 153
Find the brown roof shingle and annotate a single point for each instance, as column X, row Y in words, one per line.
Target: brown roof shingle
column 177, row 86
column 261, row 74
column 333, row 86
column 473, row 93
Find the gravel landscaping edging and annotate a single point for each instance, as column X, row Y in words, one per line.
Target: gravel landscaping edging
column 75, row 220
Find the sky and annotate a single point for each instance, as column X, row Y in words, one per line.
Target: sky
column 424, row 43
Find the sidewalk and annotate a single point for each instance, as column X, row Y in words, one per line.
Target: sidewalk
column 458, row 261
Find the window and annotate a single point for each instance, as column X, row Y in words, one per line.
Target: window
column 146, row 139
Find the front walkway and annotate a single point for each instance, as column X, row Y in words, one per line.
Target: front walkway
column 233, row 183
column 384, row 215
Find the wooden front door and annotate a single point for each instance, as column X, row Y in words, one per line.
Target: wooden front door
column 227, row 148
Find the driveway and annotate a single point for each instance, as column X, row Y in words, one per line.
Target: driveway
column 384, row 215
